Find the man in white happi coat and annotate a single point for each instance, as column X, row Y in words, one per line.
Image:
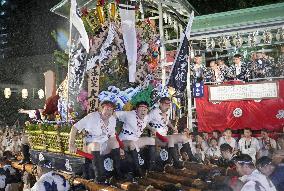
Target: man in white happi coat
column 160, row 121
column 249, row 145
column 100, row 139
column 135, row 122
column 48, row 180
column 253, row 179
column 227, row 138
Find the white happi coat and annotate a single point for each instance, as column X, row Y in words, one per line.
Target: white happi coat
column 257, row 182
column 232, row 142
column 213, row 152
column 95, row 127
column 51, row 181
column 156, row 120
column 133, row 126
column 249, row 147
column 3, row 181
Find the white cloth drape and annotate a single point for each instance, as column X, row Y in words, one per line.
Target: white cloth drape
column 129, row 38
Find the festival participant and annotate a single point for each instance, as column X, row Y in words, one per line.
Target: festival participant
column 239, row 70
column 3, row 179
column 223, row 67
column 216, row 134
column 12, row 176
column 249, row 145
column 227, row 138
column 197, row 69
column 278, row 155
column 262, row 66
column 267, row 144
column 274, row 172
column 160, row 120
column 252, row 178
column 226, row 155
column 214, row 73
column 100, row 139
column 213, row 152
column 202, row 142
column 48, row 180
column 205, row 137
column 135, row 122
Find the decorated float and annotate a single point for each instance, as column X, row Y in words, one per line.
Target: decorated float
column 117, row 58
column 102, row 66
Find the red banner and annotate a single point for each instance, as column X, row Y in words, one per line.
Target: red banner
column 268, row 113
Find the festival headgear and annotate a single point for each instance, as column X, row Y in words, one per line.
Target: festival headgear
column 263, row 161
column 108, row 104
column 165, row 100
column 243, row 159
column 142, row 104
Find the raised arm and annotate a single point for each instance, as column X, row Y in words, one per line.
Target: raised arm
column 72, row 137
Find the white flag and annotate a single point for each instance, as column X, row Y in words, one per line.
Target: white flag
column 127, row 14
column 77, row 22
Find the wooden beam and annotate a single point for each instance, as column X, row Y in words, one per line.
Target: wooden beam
column 92, row 186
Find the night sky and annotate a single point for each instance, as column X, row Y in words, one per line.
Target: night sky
column 26, row 27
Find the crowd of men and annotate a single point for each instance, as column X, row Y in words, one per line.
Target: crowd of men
column 248, row 154
column 259, row 66
column 259, row 161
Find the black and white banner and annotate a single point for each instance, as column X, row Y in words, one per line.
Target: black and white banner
column 178, row 75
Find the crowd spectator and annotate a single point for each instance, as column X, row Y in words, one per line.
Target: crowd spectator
column 248, row 144
column 267, row 145
column 227, row 138
column 213, row 152
column 253, row 179
column 197, row 69
column 48, row 180
column 214, row 73
column 227, row 155
column 273, row 171
column 239, row 70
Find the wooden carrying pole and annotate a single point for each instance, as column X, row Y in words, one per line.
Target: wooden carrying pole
column 92, row 186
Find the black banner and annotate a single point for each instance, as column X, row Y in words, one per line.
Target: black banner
column 178, row 76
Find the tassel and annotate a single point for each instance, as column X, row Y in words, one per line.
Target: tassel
column 121, row 145
column 162, row 138
column 84, row 154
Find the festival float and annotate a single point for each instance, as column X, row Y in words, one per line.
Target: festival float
column 123, row 59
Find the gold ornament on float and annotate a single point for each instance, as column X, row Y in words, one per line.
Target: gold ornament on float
column 112, row 11
column 100, row 14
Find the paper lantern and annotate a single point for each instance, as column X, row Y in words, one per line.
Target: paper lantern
column 40, row 93
column 25, row 93
column 7, row 93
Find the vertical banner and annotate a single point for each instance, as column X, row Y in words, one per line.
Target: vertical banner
column 178, row 75
column 79, row 47
column 93, row 88
column 198, row 89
